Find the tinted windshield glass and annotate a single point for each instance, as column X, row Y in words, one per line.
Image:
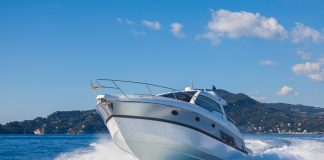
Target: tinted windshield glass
column 184, row 96
column 208, row 104
column 229, row 118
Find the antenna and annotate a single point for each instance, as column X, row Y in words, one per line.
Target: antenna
column 192, row 84
column 214, row 88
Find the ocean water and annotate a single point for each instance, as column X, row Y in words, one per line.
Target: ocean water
column 100, row 147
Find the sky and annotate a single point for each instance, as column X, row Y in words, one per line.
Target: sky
column 272, row 51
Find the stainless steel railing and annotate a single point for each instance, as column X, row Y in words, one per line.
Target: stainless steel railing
column 117, row 87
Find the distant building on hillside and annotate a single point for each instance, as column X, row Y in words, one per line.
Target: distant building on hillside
column 39, row 131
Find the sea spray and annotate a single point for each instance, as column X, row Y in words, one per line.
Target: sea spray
column 265, row 147
column 286, row 148
column 100, row 150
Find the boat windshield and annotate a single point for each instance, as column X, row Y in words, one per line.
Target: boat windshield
column 229, row 118
column 184, row 96
column 208, row 104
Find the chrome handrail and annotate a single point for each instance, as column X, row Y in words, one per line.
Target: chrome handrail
column 116, row 86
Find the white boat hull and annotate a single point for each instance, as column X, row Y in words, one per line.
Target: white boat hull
column 157, row 140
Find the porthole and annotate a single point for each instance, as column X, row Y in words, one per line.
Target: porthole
column 197, row 119
column 175, row 113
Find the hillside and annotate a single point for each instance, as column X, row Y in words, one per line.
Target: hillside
column 249, row 114
column 253, row 116
column 61, row 122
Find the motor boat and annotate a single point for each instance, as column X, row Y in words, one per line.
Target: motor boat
column 184, row 125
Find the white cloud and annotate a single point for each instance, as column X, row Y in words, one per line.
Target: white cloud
column 213, row 37
column 302, row 33
column 314, row 70
column 305, row 55
column 129, row 22
column 306, row 68
column 155, row 25
column 238, row 24
column 138, row 33
column 319, row 77
column 176, row 30
column 268, row 62
column 126, row 21
column 286, row 90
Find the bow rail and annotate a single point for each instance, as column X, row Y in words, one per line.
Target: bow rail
column 98, row 84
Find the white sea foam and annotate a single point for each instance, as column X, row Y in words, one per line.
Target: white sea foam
column 100, row 150
column 263, row 148
column 287, row 149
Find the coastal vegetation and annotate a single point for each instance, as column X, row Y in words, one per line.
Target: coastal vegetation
column 250, row 116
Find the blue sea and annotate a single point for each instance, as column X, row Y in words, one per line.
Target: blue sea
column 100, row 147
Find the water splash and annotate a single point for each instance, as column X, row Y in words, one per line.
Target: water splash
column 265, row 148
column 100, row 150
column 286, row 148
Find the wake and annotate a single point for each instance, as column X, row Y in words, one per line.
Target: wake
column 286, row 148
column 265, row 148
column 103, row 149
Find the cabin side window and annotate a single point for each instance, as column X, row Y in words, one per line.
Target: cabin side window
column 227, row 138
column 208, row 104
